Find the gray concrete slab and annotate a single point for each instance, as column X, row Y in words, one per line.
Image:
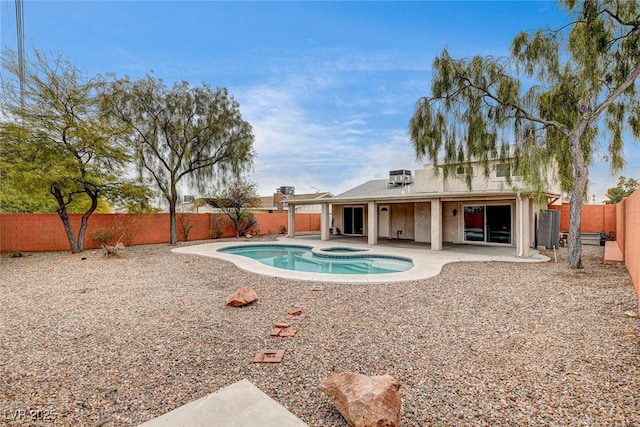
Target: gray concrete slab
column 238, row 405
column 427, row 263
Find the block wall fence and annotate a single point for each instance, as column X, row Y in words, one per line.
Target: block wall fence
column 45, row 232
column 628, row 237
column 621, row 221
column 594, row 218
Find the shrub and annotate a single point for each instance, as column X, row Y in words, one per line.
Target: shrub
column 215, row 228
column 16, row 253
column 103, row 237
column 248, row 225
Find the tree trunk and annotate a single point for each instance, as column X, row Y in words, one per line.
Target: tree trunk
column 173, row 239
column 64, row 216
column 580, row 177
column 574, row 241
column 85, row 217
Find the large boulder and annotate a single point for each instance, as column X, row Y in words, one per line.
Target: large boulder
column 242, row 296
column 365, row 401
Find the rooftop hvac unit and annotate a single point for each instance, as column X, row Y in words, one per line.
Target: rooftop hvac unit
column 400, row 177
column 188, row 199
column 288, row 191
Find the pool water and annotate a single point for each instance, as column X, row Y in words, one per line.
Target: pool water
column 302, row 258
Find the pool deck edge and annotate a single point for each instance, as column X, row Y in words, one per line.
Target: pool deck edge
column 427, row 263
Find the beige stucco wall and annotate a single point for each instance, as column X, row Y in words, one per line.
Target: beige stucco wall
column 450, row 223
column 336, row 217
column 422, row 222
column 425, row 180
column 402, row 215
column 414, row 219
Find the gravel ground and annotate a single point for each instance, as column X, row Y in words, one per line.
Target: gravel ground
column 116, row 341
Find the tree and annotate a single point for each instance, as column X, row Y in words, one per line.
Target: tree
column 56, row 139
column 236, row 199
column 190, row 133
column 584, row 87
column 625, row 188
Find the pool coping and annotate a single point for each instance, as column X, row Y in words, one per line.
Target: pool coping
column 427, row 263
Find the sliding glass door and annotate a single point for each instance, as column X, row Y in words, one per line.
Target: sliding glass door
column 353, row 220
column 487, row 223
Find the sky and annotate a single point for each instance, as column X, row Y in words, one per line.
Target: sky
column 328, row 87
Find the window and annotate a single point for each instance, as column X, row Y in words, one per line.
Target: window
column 504, row 170
column 464, row 170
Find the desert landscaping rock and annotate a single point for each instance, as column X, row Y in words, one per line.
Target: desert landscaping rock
column 365, row 401
column 129, row 338
column 241, row 297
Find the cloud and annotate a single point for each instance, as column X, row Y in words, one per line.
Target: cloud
column 323, row 146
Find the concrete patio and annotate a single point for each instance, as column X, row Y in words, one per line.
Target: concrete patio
column 238, row 405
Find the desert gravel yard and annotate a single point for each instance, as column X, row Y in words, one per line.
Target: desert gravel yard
column 116, row 341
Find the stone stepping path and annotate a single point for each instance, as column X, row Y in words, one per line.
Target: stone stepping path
column 285, row 330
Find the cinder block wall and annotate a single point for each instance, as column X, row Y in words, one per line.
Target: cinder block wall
column 632, row 240
column 594, row 218
column 621, row 224
column 45, row 232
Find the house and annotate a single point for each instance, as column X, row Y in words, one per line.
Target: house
column 279, row 201
column 268, row 204
column 426, row 208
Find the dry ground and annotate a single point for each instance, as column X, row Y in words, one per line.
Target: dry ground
column 116, row 341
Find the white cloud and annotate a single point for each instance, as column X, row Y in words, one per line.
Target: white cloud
column 296, row 146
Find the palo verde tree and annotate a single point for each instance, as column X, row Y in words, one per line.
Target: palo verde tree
column 183, row 134
column 625, row 188
column 584, row 88
column 236, row 199
column 56, row 139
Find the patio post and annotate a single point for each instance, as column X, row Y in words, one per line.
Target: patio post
column 324, row 222
column 523, row 230
column 291, row 220
column 372, row 227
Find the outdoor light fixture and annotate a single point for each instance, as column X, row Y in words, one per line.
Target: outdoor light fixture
column 455, row 212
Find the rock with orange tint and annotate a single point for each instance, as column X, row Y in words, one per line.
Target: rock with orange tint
column 365, row 401
column 242, row 296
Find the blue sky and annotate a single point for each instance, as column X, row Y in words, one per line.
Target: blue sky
column 329, row 87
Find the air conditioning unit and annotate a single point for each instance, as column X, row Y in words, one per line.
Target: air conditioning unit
column 400, row 177
column 287, row 190
column 188, row 199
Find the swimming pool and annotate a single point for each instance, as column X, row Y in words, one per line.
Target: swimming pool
column 304, row 258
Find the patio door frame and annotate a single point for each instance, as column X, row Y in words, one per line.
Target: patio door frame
column 496, row 230
column 353, row 223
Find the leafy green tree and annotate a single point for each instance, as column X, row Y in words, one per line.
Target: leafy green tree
column 479, row 108
column 625, row 188
column 236, row 200
column 189, row 134
column 56, row 140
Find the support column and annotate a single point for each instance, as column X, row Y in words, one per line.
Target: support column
column 372, row 227
column 291, row 217
column 436, row 225
column 523, row 240
column 526, row 226
column 324, row 222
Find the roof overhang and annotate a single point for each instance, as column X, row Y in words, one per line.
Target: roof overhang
column 421, row 197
